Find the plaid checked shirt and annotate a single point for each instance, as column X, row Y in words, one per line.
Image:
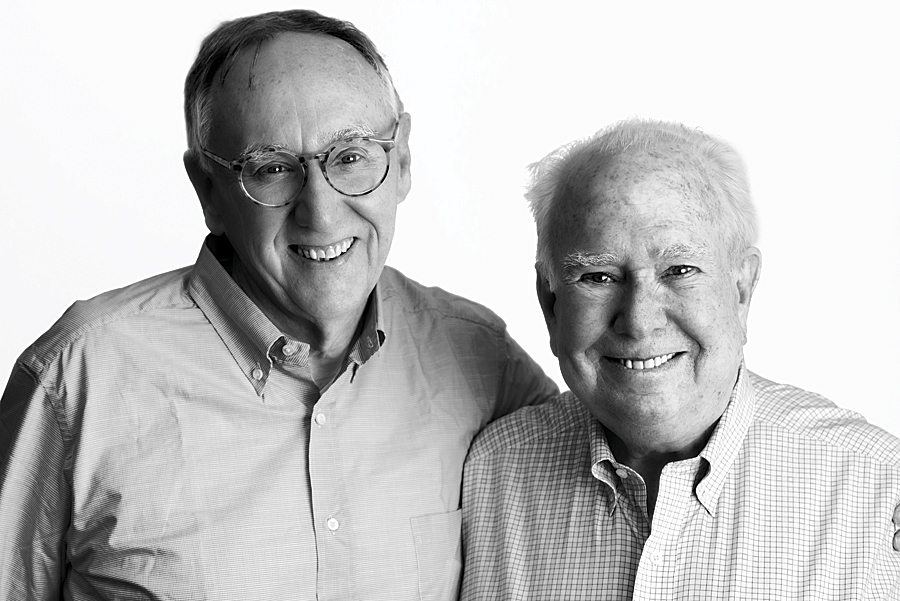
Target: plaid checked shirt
column 166, row 441
column 791, row 498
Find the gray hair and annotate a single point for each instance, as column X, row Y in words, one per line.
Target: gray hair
column 221, row 48
column 724, row 187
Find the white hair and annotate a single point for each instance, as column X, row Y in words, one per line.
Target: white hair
column 722, row 177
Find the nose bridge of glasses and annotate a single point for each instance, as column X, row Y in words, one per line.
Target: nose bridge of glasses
column 319, row 158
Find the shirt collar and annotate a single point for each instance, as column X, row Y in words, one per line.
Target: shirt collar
column 720, row 451
column 603, row 464
column 726, row 440
column 372, row 335
column 248, row 334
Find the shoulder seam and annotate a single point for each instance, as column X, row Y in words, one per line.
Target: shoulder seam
column 544, row 432
column 851, row 447
column 496, row 325
column 795, row 428
column 58, row 412
column 85, row 328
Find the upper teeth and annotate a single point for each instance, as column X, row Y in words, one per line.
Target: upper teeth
column 645, row 363
column 325, row 253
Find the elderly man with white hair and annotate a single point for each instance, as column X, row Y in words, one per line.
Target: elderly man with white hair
column 670, row 470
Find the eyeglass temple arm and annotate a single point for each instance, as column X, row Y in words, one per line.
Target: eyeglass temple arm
column 233, row 166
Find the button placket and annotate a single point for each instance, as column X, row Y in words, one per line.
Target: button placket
column 659, row 557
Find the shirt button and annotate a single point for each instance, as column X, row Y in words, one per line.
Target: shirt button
column 332, row 523
column 289, row 349
column 321, row 419
column 622, row 474
column 257, row 374
column 656, row 558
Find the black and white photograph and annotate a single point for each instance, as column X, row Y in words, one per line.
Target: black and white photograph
column 427, row 300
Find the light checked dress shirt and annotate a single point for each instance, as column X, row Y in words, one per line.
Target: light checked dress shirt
column 166, row 441
column 791, row 498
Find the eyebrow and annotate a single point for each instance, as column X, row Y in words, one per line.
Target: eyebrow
column 580, row 259
column 354, row 131
column 323, row 141
column 681, row 250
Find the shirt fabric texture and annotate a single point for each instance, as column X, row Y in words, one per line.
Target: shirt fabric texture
column 791, row 498
column 166, row 441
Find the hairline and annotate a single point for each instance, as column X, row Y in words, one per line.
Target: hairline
column 217, row 54
column 555, row 177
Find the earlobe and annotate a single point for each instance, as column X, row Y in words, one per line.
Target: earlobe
column 203, row 186
column 403, row 156
column 547, row 300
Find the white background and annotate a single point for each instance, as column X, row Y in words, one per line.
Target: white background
column 94, row 195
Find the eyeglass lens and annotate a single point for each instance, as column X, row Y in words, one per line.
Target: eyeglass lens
column 352, row 167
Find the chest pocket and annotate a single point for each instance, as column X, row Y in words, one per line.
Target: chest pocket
column 438, row 555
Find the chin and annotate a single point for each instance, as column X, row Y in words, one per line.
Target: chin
column 333, row 304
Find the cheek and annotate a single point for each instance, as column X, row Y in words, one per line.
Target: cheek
column 582, row 322
column 379, row 213
column 717, row 326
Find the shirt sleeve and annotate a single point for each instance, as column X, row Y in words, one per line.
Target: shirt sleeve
column 884, row 573
column 481, row 546
column 523, row 383
column 34, row 495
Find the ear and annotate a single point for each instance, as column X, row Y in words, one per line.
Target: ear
column 203, row 186
column 404, row 159
column 748, row 273
column 547, row 300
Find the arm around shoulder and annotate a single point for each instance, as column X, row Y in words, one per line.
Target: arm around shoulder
column 524, row 382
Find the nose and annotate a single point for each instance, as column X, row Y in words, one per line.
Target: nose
column 641, row 310
column 319, row 206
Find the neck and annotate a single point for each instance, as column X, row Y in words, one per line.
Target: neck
column 329, row 339
column 647, row 456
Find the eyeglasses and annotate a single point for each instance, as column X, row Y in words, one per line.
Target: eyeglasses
column 274, row 177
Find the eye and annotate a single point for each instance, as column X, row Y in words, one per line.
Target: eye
column 349, row 157
column 681, row 271
column 275, row 168
column 270, row 165
column 597, row 277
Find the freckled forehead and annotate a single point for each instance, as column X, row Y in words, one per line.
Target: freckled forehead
column 636, row 182
column 646, row 193
column 636, row 177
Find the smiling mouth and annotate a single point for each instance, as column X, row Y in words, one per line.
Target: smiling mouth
column 642, row 364
column 323, row 253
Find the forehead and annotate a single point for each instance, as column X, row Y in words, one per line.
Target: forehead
column 656, row 200
column 297, row 81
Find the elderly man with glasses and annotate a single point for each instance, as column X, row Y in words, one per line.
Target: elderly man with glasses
column 670, row 471
column 288, row 418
